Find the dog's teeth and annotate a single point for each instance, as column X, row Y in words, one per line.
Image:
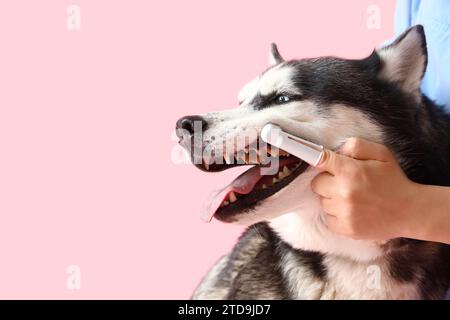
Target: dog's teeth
column 263, row 158
column 206, row 164
column 253, row 156
column 281, row 175
column 264, row 186
column 246, row 149
column 274, row 180
column 273, row 152
column 253, row 159
column 225, row 203
column 227, row 159
column 240, row 158
column 298, row 164
column 262, row 152
column 286, row 171
column 232, row 197
column 257, row 159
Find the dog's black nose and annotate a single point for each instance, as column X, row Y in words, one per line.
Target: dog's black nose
column 189, row 124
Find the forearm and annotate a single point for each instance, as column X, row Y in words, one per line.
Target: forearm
column 429, row 214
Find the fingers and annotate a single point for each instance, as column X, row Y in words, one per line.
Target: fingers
column 356, row 148
column 330, row 162
column 362, row 149
column 323, row 185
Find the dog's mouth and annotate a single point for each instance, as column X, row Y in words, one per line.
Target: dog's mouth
column 261, row 181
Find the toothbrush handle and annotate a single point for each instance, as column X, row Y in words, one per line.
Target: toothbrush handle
column 303, row 149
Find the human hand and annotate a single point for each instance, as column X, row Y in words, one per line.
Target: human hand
column 364, row 192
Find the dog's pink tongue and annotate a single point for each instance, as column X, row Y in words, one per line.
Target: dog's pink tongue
column 243, row 184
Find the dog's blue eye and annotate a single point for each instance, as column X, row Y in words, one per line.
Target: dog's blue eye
column 283, row 99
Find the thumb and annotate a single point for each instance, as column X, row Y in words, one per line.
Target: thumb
column 362, row 149
column 330, row 161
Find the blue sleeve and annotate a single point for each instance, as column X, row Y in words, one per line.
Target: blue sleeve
column 403, row 12
column 434, row 15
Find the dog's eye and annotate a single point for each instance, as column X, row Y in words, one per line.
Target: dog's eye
column 283, row 99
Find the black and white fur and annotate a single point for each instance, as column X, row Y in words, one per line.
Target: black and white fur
column 288, row 252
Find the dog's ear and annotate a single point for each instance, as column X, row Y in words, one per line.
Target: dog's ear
column 404, row 61
column 274, row 56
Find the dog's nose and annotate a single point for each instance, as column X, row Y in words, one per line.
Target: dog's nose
column 189, row 124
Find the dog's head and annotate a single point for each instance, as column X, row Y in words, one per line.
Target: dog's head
column 325, row 100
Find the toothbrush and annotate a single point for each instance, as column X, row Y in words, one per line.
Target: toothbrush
column 309, row 152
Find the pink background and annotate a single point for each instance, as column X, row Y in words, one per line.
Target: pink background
column 86, row 123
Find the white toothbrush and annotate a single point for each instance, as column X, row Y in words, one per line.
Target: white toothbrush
column 303, row 149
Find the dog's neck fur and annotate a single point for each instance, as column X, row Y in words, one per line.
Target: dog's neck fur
column 430, row 125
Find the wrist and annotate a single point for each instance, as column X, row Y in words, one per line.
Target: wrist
column 423, row 218
column 411, row 212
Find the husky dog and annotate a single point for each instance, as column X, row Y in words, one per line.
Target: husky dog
column 287, row 252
